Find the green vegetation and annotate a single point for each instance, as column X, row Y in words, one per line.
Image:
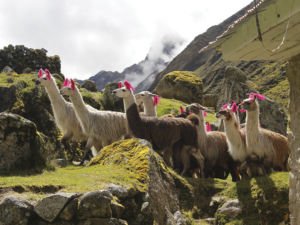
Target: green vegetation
column 171, row 106
column 185, row 77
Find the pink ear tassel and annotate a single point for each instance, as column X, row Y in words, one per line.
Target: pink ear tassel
column 259, row 125
column 120, row 85
column 208, row 128
column 242, row 110
column 128, row 86
column 257, row 96
column 40, row 73
column 234, row 108
column 72, row 84
column 204, row 113
column 156, row 100
column 224, row 106
column 182, row 110
column 66, row 82
column 48, row 74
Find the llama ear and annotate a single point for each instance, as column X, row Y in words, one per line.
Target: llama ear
column 234, row 108
column 208, row 127
column 224, row 106
column 66, row 82
column 40, row 73
column 120, row 84
column 72, row 84
column 259, row 96
column 242, row 110
column 128, row 86
column 48, row 75
column 204, row 113
column 156, row 100
column 182, row 110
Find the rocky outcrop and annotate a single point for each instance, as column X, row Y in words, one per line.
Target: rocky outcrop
column 231, row 208
column 15, row 210
column 90, row 85
column 210, row 100
column 20, row 57
column 109, row 102
column 21, row 146
column 181, row 85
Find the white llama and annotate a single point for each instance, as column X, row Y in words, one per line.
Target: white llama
column 149, row 100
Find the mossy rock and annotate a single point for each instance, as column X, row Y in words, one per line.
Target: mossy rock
column 153, row 178
column 181, row 85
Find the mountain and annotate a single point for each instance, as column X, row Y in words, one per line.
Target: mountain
column 143, row 73
column 268, row 76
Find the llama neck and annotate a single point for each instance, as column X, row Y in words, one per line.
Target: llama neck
column 252, row 128
column 57, row 100
column 202, row 134
column 132, row 113
column 79, row 106
column 149, row 108
column 128, row 101
column 232, row 130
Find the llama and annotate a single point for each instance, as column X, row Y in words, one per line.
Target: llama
column 268, row 145
column 149, row 100
column 213, row 145
column 162, row 133
column 64, row 113
column 236, row 137
column 104, row 126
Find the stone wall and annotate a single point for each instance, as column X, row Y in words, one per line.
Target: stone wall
column 20, row 58
column 293, row 75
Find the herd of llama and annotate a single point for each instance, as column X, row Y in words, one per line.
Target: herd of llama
column 185, row 142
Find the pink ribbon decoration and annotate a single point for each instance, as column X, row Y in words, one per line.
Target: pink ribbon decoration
column 204, row 113
column 182, row 110
column 224, row 106
column 208, row 128
column 72, row 84
column 128, row 86
column 48, row 74
column 252, row 95
column 234, row 107
column 156, row 100
column 242, row 110
column 66, row 83
column 40, row 73
column 120, row 85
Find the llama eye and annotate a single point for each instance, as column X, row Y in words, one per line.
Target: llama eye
column 142, row 95
column 123, row 90
column 248, row 103
column 45, row 78
column 69, row 89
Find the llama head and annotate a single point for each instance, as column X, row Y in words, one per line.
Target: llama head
column 195, row 108
column 251, row 103
column 69, row 87
column 145, row 96
column 125, row 89
column 44, row 78
column 225, row 113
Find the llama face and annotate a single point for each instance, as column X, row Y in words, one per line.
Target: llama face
column 44, row 79
column 194, row 108
column 121, row 92
column 144, row 96
column 224, row 114
column 249, row 104
column 69, row 87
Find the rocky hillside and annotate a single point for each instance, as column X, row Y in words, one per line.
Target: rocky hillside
column 269, row 76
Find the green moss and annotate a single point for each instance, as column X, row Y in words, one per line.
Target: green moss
column 184, row 77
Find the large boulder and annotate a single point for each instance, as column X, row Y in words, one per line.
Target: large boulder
column 90, row 85
column 158, row 197
column 235, row 86
column 21, row 146
column 181, row 85
column 15, row 211
column 109, row 102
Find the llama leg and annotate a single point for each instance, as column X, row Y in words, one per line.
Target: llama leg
column 64, row 140
column 87, row 148
column 197, row 154
column 268, row 163
column 97, row 147
column 75, row 144
column 185, row 156
column 167, row 156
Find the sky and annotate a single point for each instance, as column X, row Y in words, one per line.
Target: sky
column 94, row 35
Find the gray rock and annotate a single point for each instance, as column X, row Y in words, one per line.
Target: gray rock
column 10, row 80
column 20, row 144
column 57, row 222
column 231, row 208
column 27, row 70
column 130, row 208
column 210, row 100
column 50, row 207
column 117, row 210
column 70, row 211
column 122, row 192
column 60, row 162
column 110, row 102
column 179, row 218
column 210, row 220
column 103, row 221
column 7, row 70
column 90, row 85
column 95, row 204
column 15, row 211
